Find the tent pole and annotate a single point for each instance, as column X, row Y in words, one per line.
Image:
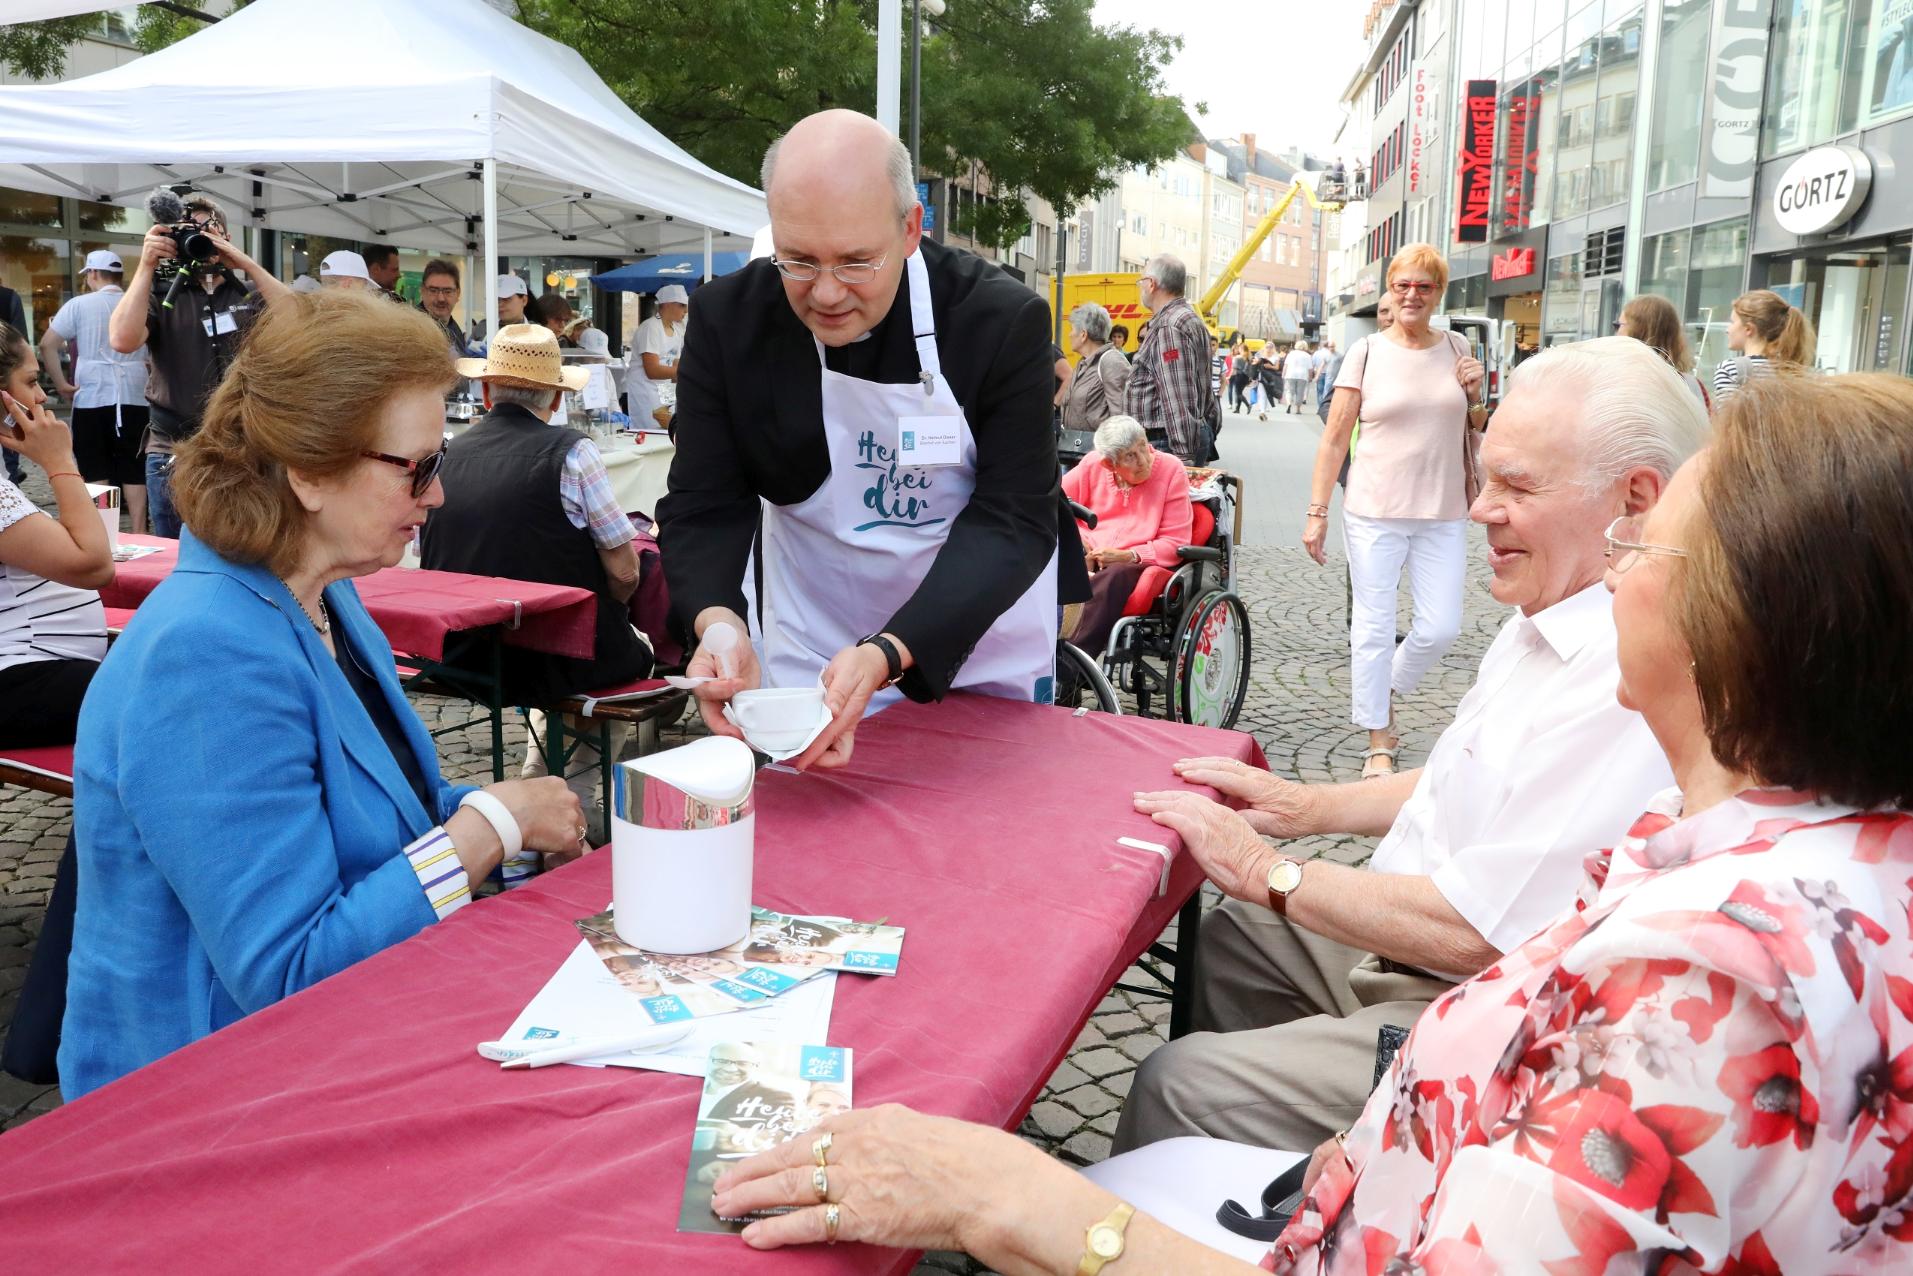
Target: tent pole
column 707, row 254
column 889, row 60
column 490, row 265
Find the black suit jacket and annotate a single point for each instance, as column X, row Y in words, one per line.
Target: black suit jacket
column 750, row 425
column 11, row 311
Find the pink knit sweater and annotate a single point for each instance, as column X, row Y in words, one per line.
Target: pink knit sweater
column 1154, row 519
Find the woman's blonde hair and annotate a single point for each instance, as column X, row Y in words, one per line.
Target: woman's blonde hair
column 1422, row 257
column 1655, row 323
column 305, row 393
column 1787, row 335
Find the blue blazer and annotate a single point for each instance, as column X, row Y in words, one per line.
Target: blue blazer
column 239, row 820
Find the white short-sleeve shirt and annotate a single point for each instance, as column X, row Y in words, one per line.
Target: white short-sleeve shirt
column 1540, row 766
column 667, row 346
column 102, row 375
column 42, row 619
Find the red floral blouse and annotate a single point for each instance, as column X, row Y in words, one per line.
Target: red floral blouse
column 1706, row 1067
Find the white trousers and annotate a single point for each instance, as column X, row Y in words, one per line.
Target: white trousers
column 1435, row 552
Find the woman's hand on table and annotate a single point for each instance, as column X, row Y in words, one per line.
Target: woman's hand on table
column 548, row 814
column 1229, row 851
column 1273, row 806
column 899, row 1178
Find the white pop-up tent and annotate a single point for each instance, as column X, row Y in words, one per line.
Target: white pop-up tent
column 433, row 124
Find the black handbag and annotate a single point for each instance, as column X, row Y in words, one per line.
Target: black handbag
column 1283, row 1196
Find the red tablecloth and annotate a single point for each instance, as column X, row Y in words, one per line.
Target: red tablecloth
column 416, row 609
column 353, row 1128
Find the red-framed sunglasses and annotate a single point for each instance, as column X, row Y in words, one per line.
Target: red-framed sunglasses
column 422, row 472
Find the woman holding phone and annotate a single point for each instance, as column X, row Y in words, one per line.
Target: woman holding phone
column 52, row 627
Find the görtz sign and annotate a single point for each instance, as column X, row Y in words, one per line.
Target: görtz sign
column 1822, row 189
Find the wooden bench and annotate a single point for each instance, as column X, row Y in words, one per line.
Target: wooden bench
column 44, row 770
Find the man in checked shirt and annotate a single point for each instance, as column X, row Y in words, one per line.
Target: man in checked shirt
column 1169, row 389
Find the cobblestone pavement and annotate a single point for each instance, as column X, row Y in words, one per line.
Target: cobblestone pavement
column 1297, row 708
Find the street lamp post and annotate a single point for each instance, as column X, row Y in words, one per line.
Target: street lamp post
column 935, row 8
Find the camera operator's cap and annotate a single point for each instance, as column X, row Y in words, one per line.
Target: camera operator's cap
column 344, row 264
column 525, row 355
column 104, row 259
column 512, row 286
column 673, row 292
column 305, row 283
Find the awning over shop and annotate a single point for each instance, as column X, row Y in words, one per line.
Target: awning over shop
column 653, row 273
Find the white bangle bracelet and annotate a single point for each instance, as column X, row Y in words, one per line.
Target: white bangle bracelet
column 496, row 814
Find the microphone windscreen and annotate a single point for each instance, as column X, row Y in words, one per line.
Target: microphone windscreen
column 165, row 208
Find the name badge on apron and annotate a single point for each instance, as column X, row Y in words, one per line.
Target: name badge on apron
column 220, row 324
column 929, row 440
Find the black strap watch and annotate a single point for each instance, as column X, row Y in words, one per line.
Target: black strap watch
column 892, row 657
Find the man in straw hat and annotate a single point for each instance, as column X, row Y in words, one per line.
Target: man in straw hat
column 532, row 501
column 882, row 405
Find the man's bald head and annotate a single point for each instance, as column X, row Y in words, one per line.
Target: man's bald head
column 838, row 185
column 847, row 148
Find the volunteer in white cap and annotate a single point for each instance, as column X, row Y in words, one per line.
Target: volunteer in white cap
column 653, row 392
column 108, row 390
column 512, row 296
column 344, row 269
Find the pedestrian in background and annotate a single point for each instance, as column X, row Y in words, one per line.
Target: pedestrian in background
column 1239, row 374
column 1655, row 323
column 1767, row 335
column 1268, row 378
column 1169, row 387
column 1407, row 505
column 1318, row 365
column 1296, row 371
column 1095, row 393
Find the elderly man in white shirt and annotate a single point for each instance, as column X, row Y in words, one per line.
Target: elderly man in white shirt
column 1295, row 374
column 1303, row 965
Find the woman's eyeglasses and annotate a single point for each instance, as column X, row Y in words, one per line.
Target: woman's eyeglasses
column 1626, row 548
column 422, row 472
column 1405, row 287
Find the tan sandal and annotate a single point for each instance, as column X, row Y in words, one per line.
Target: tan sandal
column 1372, row 770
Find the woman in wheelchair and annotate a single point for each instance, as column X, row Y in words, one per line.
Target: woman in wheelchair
column 1141, row 500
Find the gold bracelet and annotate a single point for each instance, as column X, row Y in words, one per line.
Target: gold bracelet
column 1103, row 1242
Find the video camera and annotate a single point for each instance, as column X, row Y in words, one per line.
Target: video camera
column 197, row 252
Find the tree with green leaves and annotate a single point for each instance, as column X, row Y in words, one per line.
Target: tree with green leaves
column 37, row 50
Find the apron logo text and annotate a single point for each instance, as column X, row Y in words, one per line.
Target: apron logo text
column 888, row 496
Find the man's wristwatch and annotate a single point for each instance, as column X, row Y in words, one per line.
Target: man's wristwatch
column 892, row 657
column 1103, row 1242
column 1284, row 876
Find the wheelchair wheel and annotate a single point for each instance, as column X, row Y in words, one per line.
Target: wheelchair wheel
column 1210, row 676
column 1080, row 680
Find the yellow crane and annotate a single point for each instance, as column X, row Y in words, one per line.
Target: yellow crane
column 1116, row 293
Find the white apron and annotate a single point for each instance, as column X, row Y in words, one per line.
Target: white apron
column 838, row 565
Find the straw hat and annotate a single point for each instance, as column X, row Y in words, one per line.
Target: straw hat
column 525, row 355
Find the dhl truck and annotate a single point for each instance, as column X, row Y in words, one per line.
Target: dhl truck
column 1117, row 293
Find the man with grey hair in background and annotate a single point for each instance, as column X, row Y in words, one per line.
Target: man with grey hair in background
column 1306, row 971
column 1169, row 389
column 881, row 404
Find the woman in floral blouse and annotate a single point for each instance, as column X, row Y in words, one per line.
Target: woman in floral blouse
column 1708, row 1065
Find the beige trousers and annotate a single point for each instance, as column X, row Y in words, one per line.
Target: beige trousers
column 1283, row 1055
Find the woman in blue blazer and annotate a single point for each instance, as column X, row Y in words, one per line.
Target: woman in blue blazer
column 256, row 805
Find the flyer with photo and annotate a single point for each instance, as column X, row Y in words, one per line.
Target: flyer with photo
column 823, row 943
column 673, row 986
column 755, row 1097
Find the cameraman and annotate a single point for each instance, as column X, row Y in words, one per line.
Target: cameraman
column 189, row 346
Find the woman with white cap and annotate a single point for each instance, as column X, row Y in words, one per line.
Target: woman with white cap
column 344, row 269
column 660, row 342
column 108, row 389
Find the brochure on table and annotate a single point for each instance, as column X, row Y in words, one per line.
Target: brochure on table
column 678, row 986
column 583, row 999
column 756, row 1096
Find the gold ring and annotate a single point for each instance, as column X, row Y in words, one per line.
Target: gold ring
column 820, row 1179
column 821, row 1149
column 832, row 1216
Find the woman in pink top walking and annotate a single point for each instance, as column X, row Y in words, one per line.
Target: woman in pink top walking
column 1414, row 390
column 1141, row 500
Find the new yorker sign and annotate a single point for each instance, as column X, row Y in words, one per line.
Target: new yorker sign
column 1477, row 169
column 1822, row 190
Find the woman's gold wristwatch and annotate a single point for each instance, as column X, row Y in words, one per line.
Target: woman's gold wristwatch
column 1103, row 1242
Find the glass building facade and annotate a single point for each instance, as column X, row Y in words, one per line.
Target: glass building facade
column 1638, row 147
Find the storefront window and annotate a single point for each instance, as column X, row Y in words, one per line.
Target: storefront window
column 29, row 208
column 1547, row 129
column 1614, row 109
column 1815, row 71
column 1679, row 84
column 1717, row 267
column 1664, row 267
column 1561, row 303
column 1580, row 75
column 108, row 217
column 37, row 270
